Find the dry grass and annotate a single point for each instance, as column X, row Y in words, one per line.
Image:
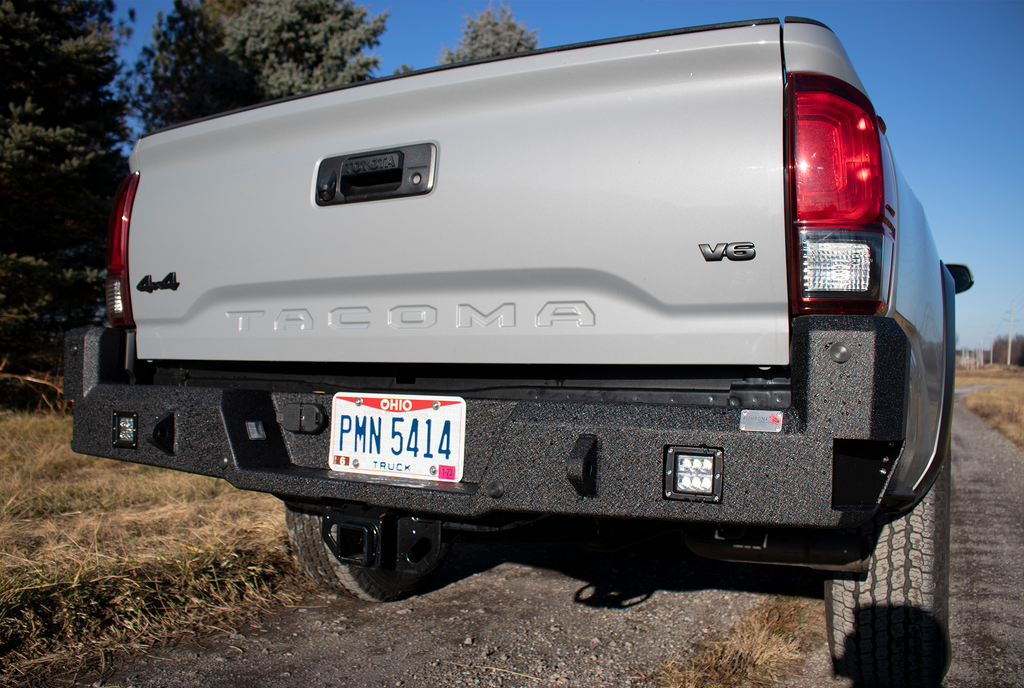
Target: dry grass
column 44, row 390
column 767, row 644
column 989, row 375
column 98, row 556
column 1002, row 407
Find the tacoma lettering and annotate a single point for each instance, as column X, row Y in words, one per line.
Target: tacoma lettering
column 420, row 317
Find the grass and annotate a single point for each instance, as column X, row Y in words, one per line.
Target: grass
column 767, row 644
column 100, row 557
column 1002, row 406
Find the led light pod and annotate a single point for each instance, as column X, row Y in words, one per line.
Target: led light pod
column 125, row 426
column 693, row 473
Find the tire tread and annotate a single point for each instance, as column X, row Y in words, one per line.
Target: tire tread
column 890, row 627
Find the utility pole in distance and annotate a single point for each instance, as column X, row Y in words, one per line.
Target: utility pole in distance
column 1009, row 340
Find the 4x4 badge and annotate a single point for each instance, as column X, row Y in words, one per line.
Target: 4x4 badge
column 149, row 286
column 742, row 250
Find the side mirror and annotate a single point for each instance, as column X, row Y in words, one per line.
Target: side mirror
column 962, row 277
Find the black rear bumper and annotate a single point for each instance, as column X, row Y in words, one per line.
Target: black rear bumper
column 827, row 468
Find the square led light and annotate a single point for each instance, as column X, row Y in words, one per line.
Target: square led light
column 693, row 473
column 126, row 430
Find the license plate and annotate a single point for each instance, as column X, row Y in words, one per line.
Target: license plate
column 399, row 436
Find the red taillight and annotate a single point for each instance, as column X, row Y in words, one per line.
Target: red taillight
column 119, row 305
column 842, row 243
column 837, row 161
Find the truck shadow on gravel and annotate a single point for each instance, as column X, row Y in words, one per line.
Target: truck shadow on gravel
column 630, row 576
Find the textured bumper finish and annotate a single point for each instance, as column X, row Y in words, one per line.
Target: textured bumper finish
column 517, row 451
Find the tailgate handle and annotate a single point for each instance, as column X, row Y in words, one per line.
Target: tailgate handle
column 376, row 175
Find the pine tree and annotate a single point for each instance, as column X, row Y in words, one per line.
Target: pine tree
column 213, row 56
column 183, row 74
column 60, row 164
column 297, row 46
column 490, row 35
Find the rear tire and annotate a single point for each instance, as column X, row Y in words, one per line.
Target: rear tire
column 890, row 627
column 375, row 585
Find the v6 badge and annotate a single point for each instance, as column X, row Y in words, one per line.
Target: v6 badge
column 741, row 250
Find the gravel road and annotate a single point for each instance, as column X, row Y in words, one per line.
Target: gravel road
column 986, row 556
column 526, row 615
column 554, row 615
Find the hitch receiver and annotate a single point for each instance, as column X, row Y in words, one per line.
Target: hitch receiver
column 374, row 539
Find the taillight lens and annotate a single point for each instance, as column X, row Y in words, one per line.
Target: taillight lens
column 838, row 163
column 119, row 305
column 842, row 243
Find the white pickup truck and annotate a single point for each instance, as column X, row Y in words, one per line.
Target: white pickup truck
column 666, row 282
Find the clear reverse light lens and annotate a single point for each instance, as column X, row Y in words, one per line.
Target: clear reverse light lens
column 115, row 305
column 836, row 266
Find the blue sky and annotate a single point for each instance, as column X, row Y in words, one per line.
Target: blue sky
column 947, row 77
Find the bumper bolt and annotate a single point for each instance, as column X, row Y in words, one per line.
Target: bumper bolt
column 839, row 353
